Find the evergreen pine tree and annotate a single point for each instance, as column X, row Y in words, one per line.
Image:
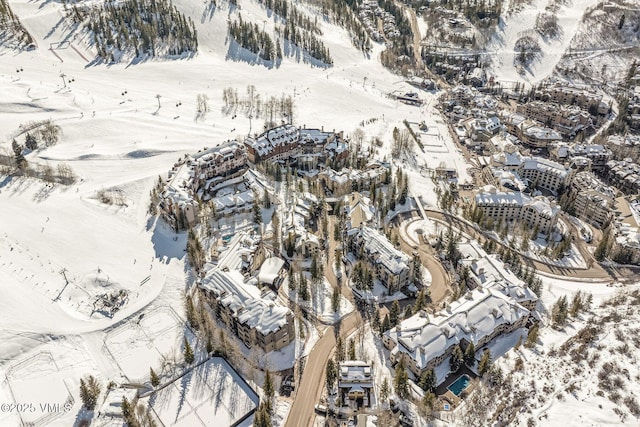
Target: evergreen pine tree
column 331, row 374
column 189, row 357
column 401, row 380
column 560, row 312
column 485, row 363
column 269, row 391
column 31, row 142
column 89, row 392
column 428, row 380
column 421, row 301
column 532, row 337
column 352, row 349
column 386, row 324
column 457, row 358
column 154, row 378
column 394, row 313
column 304, row 290
column 470, row 355
column 384, row 390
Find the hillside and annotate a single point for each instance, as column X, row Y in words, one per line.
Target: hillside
column 82, row 262
column 582, row 374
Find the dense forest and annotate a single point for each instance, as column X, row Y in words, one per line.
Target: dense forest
column 142, row 27
column 307, row 41
column 10, row 28
column 298, row 30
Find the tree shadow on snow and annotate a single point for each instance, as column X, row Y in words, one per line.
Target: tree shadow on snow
column 167, row 244
column 185, row 382
column 237, row 53
column 208, row 12
column 299, row 54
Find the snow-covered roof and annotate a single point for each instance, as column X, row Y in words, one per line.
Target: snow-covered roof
column 354, row 373
column 380, row 250
column 544, row 165
column 490, row 272
column 246, row 302
column 270, row 270
column 240, row 247
column 490, row 196
column 542, row 133
column 278, row 136
column 476, row 315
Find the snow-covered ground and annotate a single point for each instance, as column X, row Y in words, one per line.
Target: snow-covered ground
column 118, row 135
column 211, row 394
column 513, row 27
column 584, row 374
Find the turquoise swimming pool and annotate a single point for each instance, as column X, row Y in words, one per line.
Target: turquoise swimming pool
column 460, row 384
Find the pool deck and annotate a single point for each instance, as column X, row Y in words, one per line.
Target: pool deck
column 443, row 389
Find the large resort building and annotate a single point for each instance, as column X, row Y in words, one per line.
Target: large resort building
column 287, row 141
column 200, row 176
column 194, row 175
column 425, row 341
column 252, row 314
column 392, row 267
column 543, row 174
column 516, row 207
column 593, row 201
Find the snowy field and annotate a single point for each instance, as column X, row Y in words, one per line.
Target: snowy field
column 155, row 341
column 210, row 395
column 115, row 138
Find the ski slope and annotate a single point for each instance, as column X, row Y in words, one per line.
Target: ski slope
column 512, row 27
column 123, row 125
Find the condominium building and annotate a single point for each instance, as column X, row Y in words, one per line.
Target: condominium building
column 254, row 315
column 593, row 200
column 567, row 94
column 568, row 120
column 624, row 174
column 514, row 207
column 489, row 272
column 287, row 141
column 191, row 176
column 392, row 267
column 544, row 174
column 426, row 341
column 349, row 180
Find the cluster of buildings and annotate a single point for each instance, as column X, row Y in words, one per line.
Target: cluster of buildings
column 298, row 220
column 290, row 143
column 193, row 175
column 624, row 174
column 348, row 180
column 223, row 173
column 593, row 201
column 570, row 94
column 253, row 314
column 239, row 286
column 571, row 173
column 566, row 119
column 499, row 304
column 392, row 267
column 369, row 13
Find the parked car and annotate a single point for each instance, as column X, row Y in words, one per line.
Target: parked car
column 321, row 409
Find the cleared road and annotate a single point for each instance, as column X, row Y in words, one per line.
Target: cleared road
column 594, row 273
column 310, row 388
